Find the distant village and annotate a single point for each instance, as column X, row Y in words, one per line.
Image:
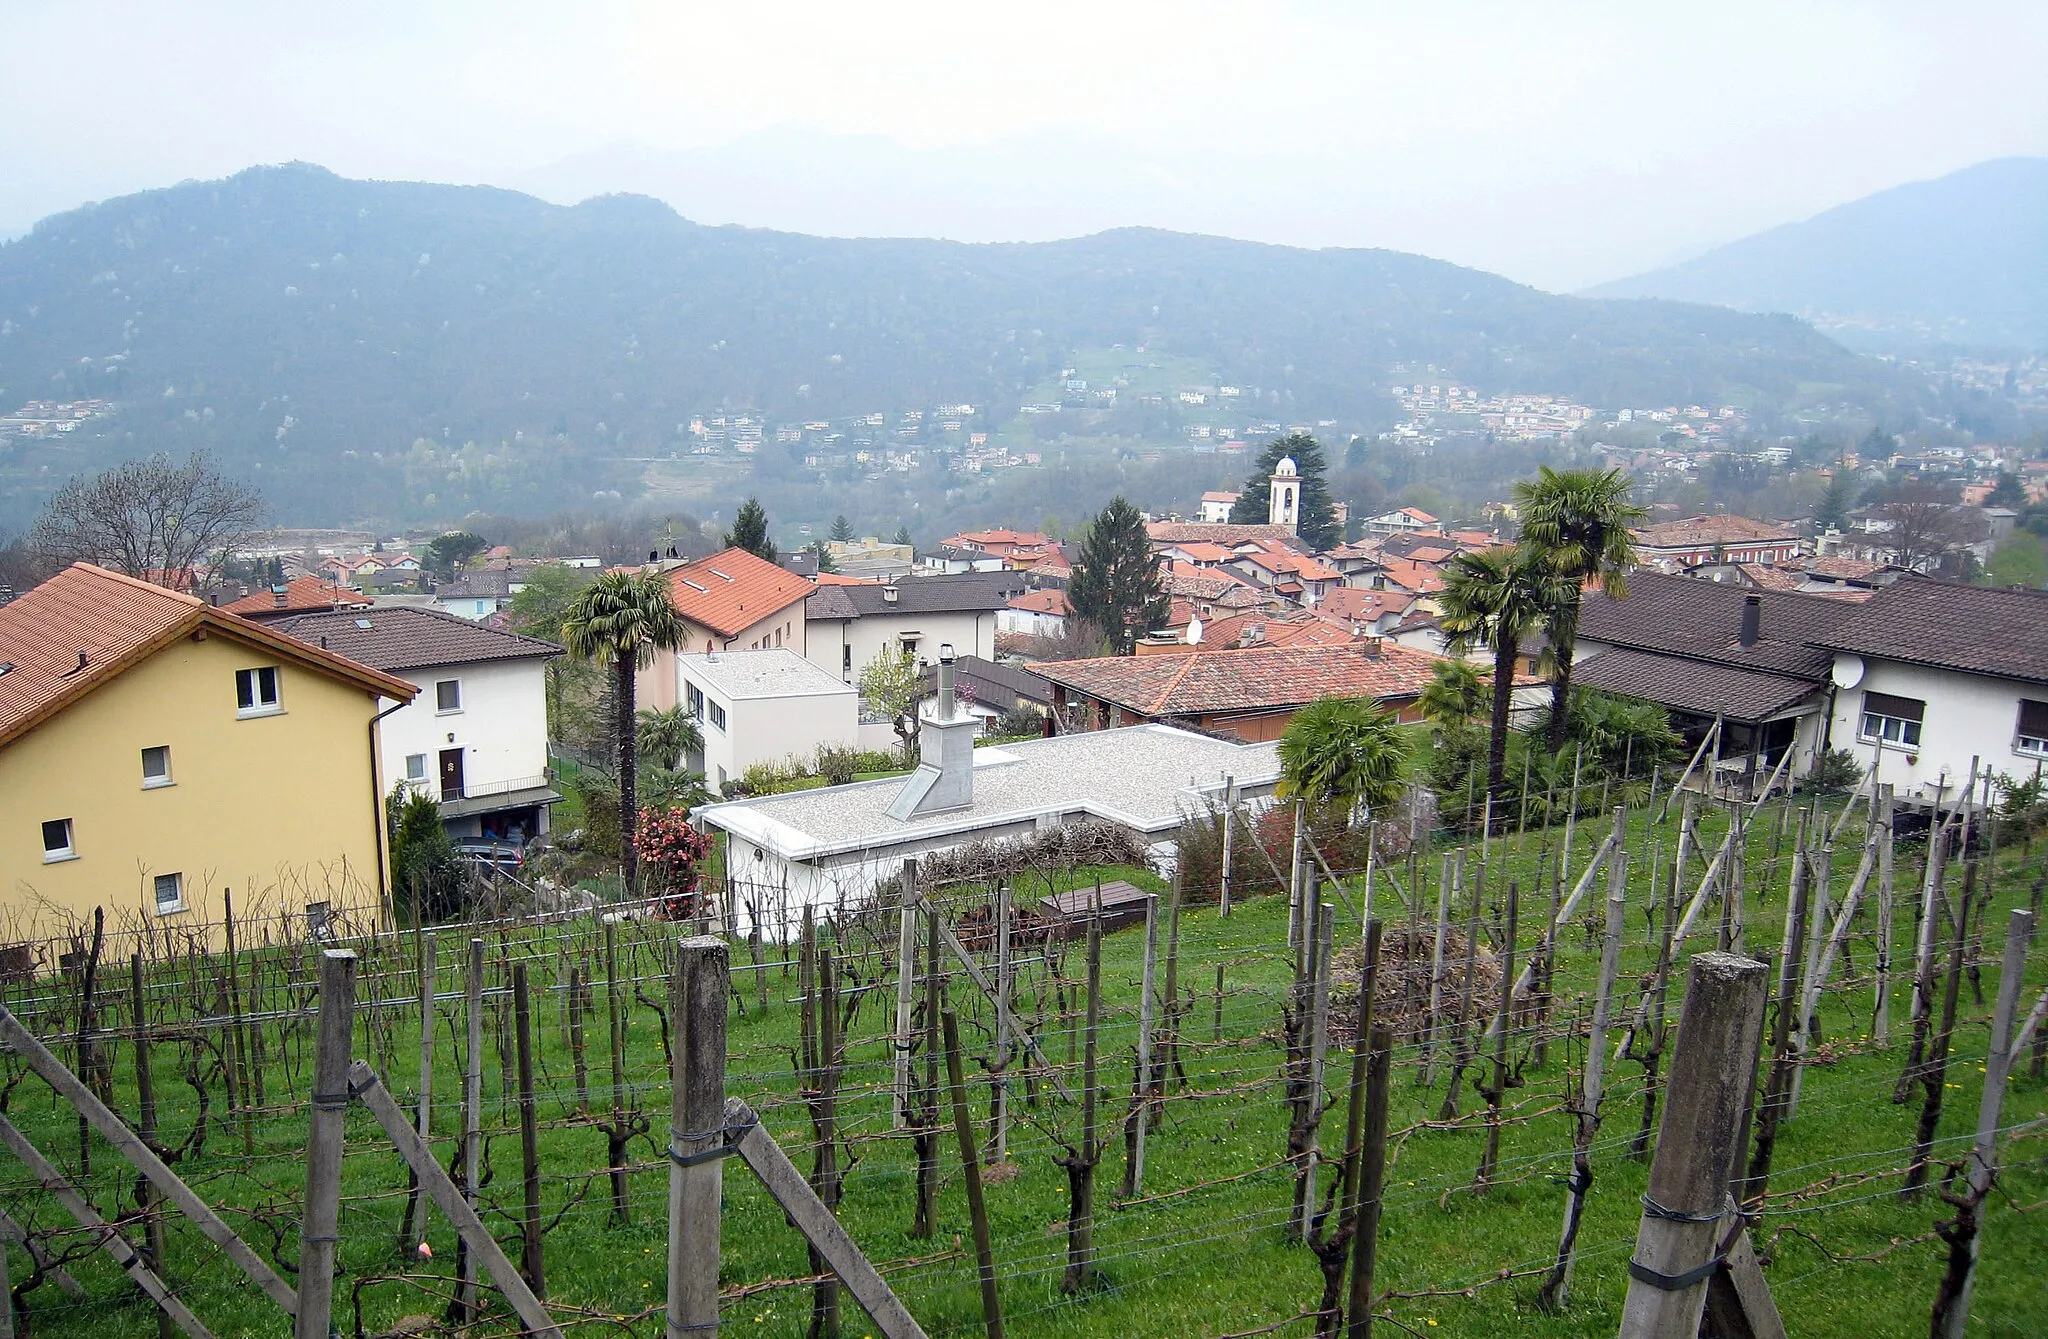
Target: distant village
column 1783, row 642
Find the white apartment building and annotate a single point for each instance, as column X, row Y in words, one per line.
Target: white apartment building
column 762, row 707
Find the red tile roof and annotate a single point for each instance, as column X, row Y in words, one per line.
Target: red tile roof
column 302, row 595
column 1352, row 602
column 1252, row 679
column 1707, row 531
column 730, row 592
column 86, row 625
column 1042, row 602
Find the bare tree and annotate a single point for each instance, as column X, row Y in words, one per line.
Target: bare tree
column 150, row 518
column 1926, row 530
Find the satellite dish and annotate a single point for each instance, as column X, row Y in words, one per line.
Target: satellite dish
column 1194, row 632
column 1848, row 670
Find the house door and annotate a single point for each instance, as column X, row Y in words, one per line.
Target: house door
column 451, row 774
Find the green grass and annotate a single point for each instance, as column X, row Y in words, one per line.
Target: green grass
column 1846, row 1257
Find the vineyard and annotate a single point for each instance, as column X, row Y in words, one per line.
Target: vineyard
column 1205, row 1102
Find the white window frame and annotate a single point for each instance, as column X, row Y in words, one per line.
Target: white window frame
column 68, row 851
column 440, row 710
column 419, row 775
column 1874, row 727
column 258, row 704
column 177, row 887
column 2026, row 745
column 164, row 778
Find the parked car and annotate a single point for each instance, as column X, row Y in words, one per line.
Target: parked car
column 496, row 853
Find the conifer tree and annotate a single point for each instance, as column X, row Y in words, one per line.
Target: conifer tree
column 750, row 531
column 842, row 529
column 1318, row 513
column 1116, row 582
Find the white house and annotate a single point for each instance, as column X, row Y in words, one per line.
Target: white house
column 762, row 707
column 846, row 627
column 476, row 737
column 840, row 841
column 1035, row 613
column 1931, row 674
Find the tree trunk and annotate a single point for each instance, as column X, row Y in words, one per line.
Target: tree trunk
column 629, row 797
column 1503, row 697
column 1562, row 642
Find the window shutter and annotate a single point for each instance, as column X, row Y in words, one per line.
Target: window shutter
column 1902, row 708
column 2033, row 719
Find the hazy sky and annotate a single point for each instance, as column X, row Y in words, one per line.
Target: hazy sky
column 1559, row 144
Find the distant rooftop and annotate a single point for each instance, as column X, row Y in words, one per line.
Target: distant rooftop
column 775, row 672
column 1146, row 777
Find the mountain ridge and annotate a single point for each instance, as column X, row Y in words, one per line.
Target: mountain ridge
column 411, row 348
column 1957, row 259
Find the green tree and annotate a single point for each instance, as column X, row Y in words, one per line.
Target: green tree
column 889, row 686
column 573, row 687
column 818, row 550
column 902, row 535
column 1832, row 511
column 623, row 619
column 1495, row 598
column 1318, row 513
column 1576, row 524
column 426, row 871
column 446, row 553
column 1354, row 454
column 1115, row 585
column 1454, row 696
column 842, row 529
column 2007, row 492
column 750, row 531
column 662, row 735
column 1344, row 751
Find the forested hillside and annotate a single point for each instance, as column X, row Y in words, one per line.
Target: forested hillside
column 374, row 349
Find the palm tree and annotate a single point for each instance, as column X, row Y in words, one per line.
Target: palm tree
column 1344, row 750
column 1578, row 520
column 1495, row 598
column 664, row 734
column 1454, row 695
column 624, row 618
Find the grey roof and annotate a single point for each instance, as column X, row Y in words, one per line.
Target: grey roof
column 399, row 637
column 993, row 680
column 1974, row 629
column 953, row 593
column 775, row 672
column 1146, row 777
column 1702, row 620
column 1702, row 688
column 492, row 584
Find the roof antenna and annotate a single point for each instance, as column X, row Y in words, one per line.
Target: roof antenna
column 83, row 661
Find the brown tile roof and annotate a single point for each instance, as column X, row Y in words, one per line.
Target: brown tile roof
column 1770, row 578
column 730, row 592
column 86, row 625
column 1706, row 531
column 1199, row 532
column 2001, row 632
column 1251, row 679
column 946, row 593
column 302, row 595
column 1042, row 602
column 1702, row 620
column 1353, row 602
column 402, row 637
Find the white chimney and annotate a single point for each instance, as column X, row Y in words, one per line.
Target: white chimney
column 944, row 780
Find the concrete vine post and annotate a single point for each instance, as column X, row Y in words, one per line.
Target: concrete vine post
column 319, row 1228
column 697, row 1136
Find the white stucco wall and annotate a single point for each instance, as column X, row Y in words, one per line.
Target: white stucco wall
column 829, row 640
column 502, row 727
column 656, row 684
column 1030, row 622
column 1967, row 716
column 769, row 729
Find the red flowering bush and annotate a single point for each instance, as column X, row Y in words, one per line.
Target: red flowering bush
column 672, row 855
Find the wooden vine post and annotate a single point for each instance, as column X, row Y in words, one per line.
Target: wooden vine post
column 970, row 1168
column 697, row 1136
column 319, row 1228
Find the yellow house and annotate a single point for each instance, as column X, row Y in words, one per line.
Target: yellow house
column 158, row 756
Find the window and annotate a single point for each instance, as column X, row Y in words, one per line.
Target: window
column 2031, row 738
column 1892, row 720
column 415, row 767
column 717, row 717
column 448, row 695
column 57, row 841
column 846, row 661
column 156, row 767
column 693, row 698
column 256, row 691
column 170, row 893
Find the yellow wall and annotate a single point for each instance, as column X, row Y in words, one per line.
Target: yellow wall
column 281, row 809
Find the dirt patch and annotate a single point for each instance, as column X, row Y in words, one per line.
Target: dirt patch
column 1401, row 990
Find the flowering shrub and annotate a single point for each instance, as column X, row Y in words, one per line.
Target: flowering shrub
column 672, row 852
